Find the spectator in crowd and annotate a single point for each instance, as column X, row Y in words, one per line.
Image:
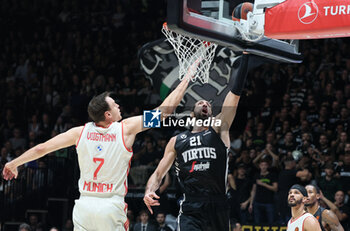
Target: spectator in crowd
column 262, row 194
column 241, row 185
column 160, row 218
column 266, row 153
column 18, row 141
column 236, row 226
column 286, row 145
column 345, row 173
column 144, row 224
column 34, row 222
column 341, row 210
column 131, row 219
column 24, row 227
column 54, row 229
column 328, row 183
column 68, row 226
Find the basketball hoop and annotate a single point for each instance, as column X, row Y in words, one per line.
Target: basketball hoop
column 194, row 55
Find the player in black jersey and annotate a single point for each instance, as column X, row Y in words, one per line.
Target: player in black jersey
column 327, row 219
column 201, row 159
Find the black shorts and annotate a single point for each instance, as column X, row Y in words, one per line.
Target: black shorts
column 203, row 214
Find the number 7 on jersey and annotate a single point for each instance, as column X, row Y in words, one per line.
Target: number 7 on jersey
column 101, row 160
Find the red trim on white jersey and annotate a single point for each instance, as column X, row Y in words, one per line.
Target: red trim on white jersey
column 102, row 126
column 127, row 174
column 76, row 146
column 126, row 224
column 129, row 150
column 291, row 220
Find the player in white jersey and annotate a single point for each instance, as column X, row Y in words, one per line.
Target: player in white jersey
column 301, row 220
column 104, row 150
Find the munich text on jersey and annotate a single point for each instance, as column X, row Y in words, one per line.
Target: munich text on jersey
column 97, row 187
column 186, row 122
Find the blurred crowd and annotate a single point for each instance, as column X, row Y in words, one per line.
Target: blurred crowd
column 293, row 124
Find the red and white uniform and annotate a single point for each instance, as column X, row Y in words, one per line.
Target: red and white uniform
column 297, row 224
column 104, row 163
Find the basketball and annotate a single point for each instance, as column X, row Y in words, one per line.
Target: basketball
column 241, row 11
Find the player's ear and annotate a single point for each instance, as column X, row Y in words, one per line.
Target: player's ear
column 192, row 114
column 304, row 200
column 107, row 114
column 318, row 196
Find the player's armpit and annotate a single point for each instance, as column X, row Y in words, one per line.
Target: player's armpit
column 311, row 224
column 332, row 220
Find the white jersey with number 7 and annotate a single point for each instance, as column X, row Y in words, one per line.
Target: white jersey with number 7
column 104, row 160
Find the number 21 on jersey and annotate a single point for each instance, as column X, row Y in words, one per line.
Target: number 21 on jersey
column 195, row 141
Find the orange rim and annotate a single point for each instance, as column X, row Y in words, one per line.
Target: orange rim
column 165, row 25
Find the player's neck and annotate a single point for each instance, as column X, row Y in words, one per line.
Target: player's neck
column 104, row 124
column 199, row 129
column 313, row 208
column 297, row 211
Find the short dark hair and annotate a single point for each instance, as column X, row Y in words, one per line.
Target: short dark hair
column 318, row 190
column 24, row 226
column 266, row 160
column 98, row 106
column 161, row 212
column 144, row 212
column 289, row 159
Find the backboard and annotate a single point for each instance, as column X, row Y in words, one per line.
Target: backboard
column 212, row 21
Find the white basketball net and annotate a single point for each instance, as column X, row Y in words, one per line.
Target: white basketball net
column 194, row 55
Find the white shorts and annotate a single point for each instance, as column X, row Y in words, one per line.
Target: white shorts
column 95, row 214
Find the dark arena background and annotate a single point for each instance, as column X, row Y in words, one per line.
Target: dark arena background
column 56, row 55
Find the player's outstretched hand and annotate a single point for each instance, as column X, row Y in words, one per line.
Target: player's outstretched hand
column 150, row 201
column 9, row 172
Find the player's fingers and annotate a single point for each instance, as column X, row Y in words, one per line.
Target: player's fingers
column 148, row 201
column 155, row 204
column 149, row 208
column 154, row 195
column 5, row 174
column 148, row 198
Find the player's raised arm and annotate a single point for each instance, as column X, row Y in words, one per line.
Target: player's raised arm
column 229, row 107
column 62, row 140
column 156, row 178
column 134, row 125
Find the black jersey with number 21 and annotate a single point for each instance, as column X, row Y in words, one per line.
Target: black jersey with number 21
column 201, row 163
